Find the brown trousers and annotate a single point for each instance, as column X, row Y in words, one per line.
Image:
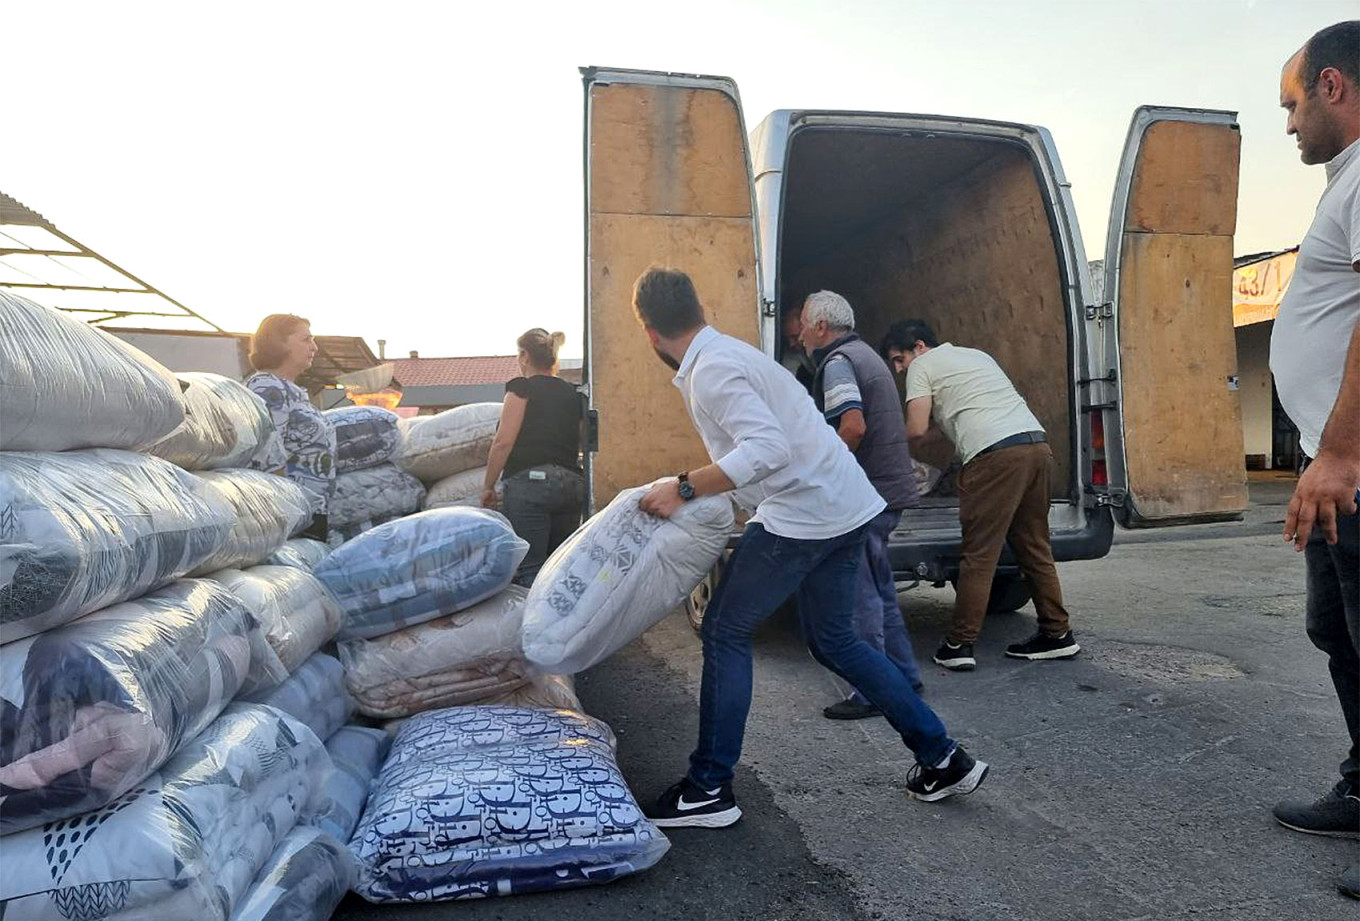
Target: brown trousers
column 1004, row 496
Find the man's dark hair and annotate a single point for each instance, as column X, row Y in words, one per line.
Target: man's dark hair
column 1335, row 46
column 665, row 300
column 903, row 335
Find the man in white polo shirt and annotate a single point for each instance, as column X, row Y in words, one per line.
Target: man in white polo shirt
column 1003, row 486
column 1315, row 357
column 812, row 504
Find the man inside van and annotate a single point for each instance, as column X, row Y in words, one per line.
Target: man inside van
column 812, row 505
column 1315, row 357
column 1003, row 486
column 857, row 394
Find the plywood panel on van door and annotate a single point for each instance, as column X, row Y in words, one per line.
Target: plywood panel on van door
column 976, row 259
column 1185, row 180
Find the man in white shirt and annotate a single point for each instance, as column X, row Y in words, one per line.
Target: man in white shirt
column 1003, row 486
column 811, row 504
column 1315, row 357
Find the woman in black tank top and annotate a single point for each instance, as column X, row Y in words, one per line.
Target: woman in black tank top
column 537, row 452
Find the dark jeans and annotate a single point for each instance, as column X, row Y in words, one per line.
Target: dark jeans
column 544, row 507
column 1334, row 622
column 878, row 619
column 764, row 570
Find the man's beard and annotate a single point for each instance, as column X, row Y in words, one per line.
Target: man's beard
column 670, row 362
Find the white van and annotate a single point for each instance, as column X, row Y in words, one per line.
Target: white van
column 966, row 223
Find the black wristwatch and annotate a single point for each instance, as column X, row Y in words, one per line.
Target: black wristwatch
column 686, row 487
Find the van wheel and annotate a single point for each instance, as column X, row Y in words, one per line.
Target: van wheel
column 1009, row 593
column 697, row 602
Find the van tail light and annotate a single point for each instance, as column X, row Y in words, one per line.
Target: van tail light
column 1100, row 475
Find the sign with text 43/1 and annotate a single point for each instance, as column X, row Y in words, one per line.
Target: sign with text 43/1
column 1259, row 287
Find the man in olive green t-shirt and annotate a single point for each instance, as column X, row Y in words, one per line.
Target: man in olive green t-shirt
column 1003, row 486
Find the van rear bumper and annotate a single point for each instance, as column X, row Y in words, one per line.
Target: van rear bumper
column 932, row 559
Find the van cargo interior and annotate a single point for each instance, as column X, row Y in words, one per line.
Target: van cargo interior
column 953, row 231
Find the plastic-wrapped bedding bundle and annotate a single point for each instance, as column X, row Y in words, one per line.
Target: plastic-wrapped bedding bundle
column 365, row 436
column 478, row 801
column 225, row 426
column 617, row 576
column 416, row 568
column 356, row 754
column 548, row 692
column 374, row 494
column 186, row 843
column 313, row 695
column 458, row 439
column 269, row 510
column 301, row 553
column 304, row 880
column 88, row 710
column 460, row 489
column 66, row 384
column 86, row 529
column 298, row 613
column 463, row 658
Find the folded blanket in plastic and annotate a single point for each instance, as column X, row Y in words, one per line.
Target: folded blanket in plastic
column 416, row 568
column 617, row 576
column 365, row 436
column 314, row 695
column 301, row 553
column 297, row 613
column 449, row 661
column 269, row 510
column 86, row 529
column 356, row 754
column 458, row 439
column 304, row 880
column 225, row 425
column 186, row 843
column 546, row 692
column 373, row 494
column 69, row 385
column 460, row 489
column 479, row 801
column 90, row 709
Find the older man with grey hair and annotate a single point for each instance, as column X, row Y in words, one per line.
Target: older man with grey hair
column 857, row 395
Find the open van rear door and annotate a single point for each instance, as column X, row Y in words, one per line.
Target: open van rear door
column 1176, row 450
column 668, row 181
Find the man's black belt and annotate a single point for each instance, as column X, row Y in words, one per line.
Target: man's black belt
column 1024, row 438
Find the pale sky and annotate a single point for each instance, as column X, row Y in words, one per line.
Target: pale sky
column 412, row 171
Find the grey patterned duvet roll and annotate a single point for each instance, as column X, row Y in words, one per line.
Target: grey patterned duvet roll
column 90, row 709
column 458, row 439
column 302, row 553
column 185, row 844
column 374, row 494
column 65, row 384
column 357, row 753
column 225, row 426
column 413, row 569
column 480, row 801
column 304, row 880
column 365, row 436
column 314, row 695
column 269, row 509
column 297, row 613
column 82, row 530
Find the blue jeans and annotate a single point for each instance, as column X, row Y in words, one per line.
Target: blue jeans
column 878, row 619
column 763, row 571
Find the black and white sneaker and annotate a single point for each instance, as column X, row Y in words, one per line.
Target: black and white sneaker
column 687, row 805
column 961, row 774
column 956, row 658
column 1041, row 646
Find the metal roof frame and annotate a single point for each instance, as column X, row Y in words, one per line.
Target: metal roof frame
column 14, row 213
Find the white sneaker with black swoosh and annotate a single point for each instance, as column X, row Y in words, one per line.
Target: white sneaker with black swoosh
column 687, row 805
column 960, row 775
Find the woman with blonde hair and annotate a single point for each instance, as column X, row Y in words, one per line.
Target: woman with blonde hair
column 280, row 351
column 538, row 452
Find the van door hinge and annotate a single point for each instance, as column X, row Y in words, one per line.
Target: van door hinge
column 1100, row 311
column 1109, row 498
column 1107, row 378
column 767, row 308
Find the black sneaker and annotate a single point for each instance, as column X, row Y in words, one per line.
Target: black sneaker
column 1041, row 646
column 687, row 805
column 851, row 709
column 1337, row 814
column 956, row 658
column 961, row 775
